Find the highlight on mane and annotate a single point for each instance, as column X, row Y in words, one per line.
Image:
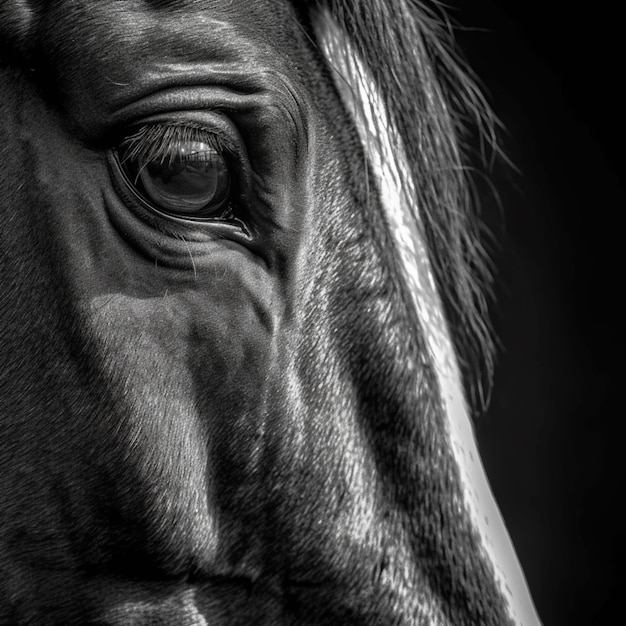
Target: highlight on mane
column 435, row 105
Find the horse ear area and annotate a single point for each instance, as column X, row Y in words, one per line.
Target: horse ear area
column 18, row 20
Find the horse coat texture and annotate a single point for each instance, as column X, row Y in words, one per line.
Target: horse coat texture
column 239, row 293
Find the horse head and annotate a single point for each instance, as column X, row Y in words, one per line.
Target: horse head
column 238, row 278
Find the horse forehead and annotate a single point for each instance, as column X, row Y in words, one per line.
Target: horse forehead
column 136, row 18
column 128, row 31
column 121, row 42
column 189, row 24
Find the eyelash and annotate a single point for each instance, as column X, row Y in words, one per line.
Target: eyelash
column 157, row 142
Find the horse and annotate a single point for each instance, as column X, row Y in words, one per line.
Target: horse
column 241, row 303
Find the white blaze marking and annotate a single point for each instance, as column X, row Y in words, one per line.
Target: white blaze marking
column 384, row 150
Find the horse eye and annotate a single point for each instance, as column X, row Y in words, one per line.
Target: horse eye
column 191, row 180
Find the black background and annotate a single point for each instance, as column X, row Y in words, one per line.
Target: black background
column 552, row 440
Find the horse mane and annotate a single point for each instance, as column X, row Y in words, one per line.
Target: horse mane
column 438, row 109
